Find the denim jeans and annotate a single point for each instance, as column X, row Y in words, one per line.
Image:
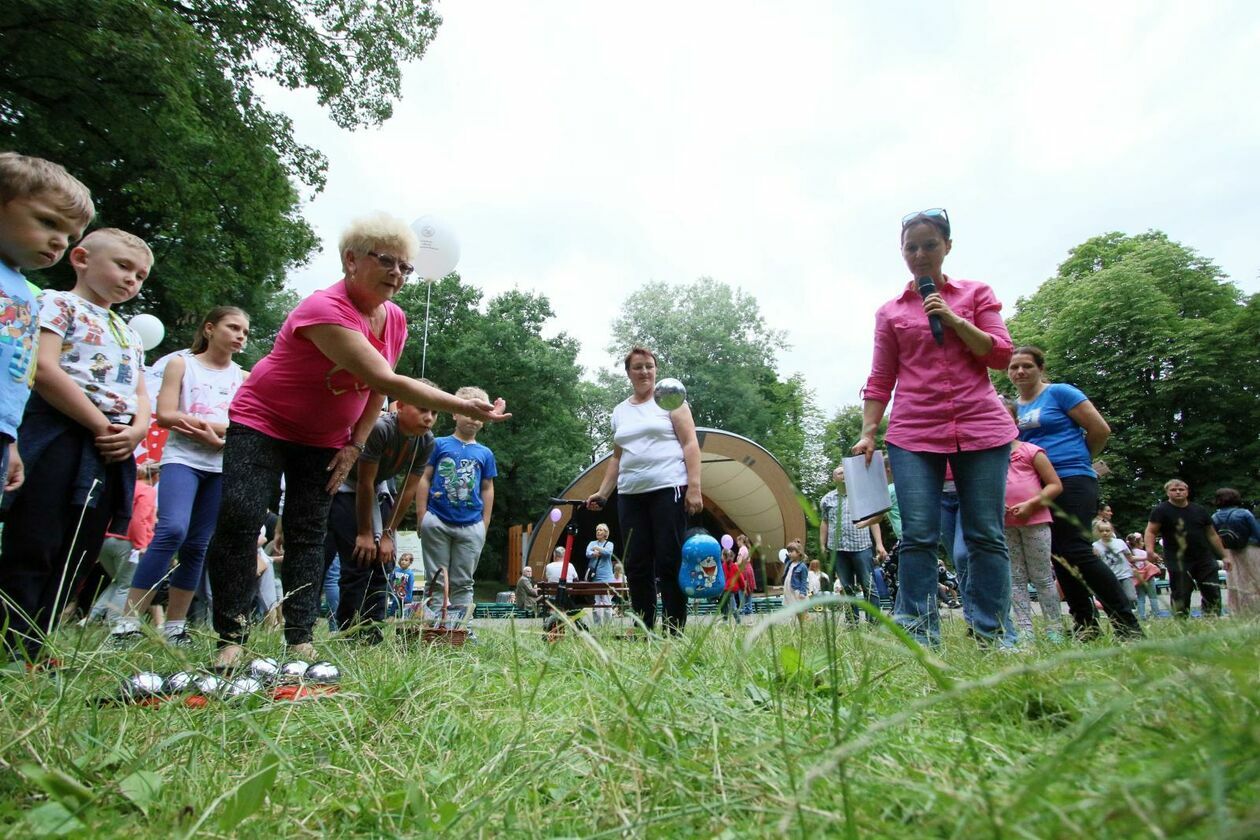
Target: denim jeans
column 954, row 541
column 980, row 478
column 1146, row 593
column 855, row 572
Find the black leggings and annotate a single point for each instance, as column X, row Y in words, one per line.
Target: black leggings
column 1078, row 569
column 252, row 465
column 652, row 526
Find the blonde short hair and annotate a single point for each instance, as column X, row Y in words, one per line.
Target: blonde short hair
column 379, row 231
column 469, row 392
column 120, row 237
column 22, row 176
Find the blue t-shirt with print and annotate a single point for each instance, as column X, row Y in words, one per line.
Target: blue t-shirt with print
column 1045, row 422
column 19, row 339
column 458, row 470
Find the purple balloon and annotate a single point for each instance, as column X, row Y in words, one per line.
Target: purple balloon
column 727, row 541
column 555, row 514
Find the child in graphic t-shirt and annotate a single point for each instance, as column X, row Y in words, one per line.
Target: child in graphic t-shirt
column 84, row 420
column 43, row 210
column 1115, row 553
column 454, row 503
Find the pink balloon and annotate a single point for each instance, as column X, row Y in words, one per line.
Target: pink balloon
column 727, row 541
column 555, row 514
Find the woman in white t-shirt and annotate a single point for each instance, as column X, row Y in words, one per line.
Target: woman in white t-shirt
column 197, row 389
column 655, row 467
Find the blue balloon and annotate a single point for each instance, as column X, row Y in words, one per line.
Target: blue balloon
column 700, row 574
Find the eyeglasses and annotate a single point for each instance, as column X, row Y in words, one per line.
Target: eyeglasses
column 389, row 263
column 936, row 214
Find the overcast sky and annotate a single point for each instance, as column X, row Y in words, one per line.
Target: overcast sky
column 583, row 149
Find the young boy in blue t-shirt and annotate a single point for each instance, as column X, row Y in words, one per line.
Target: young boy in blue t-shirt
column 43, row 210
column 454, row 503
column 87, row 414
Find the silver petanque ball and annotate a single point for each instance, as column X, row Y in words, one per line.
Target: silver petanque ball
column 144, row 684
column 209, row 685
column 324, row 673
column 670, row 394
column 242, row 686
column 293, row 671
column 178, row 683
column 263, row 669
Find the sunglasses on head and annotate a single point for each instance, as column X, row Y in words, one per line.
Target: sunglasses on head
column 936, row 214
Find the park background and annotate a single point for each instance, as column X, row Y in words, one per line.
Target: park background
column 716, row 181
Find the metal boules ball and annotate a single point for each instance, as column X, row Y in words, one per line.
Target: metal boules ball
column 144, row 684
column 670, row 394
column 209, row 685
column 263, row 669
column 178, row 682
column 242, row 686
column 294, row 671
column 324, row 673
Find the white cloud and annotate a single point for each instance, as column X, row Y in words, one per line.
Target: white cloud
column 581, row 150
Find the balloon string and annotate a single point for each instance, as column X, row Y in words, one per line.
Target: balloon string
column 424, row 352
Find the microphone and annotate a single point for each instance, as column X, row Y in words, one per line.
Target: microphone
column 927, row 287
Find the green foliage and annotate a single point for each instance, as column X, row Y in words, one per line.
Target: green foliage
column 843, row 431
column 1165, row 346
column 716, row 341
column 544, row 446
column 151, row 104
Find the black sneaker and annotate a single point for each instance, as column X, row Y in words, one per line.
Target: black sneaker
column 179, row 640
column 125, row 640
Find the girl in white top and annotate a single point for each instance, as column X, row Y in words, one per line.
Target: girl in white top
column 197, row 389
column 655, row 467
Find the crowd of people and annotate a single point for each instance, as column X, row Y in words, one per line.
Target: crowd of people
column 1008, row 491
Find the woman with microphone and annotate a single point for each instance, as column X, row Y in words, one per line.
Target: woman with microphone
column 934, row 344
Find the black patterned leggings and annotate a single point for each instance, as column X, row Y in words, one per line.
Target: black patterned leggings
column 252, row 465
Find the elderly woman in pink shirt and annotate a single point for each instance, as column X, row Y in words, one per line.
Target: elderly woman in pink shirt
column 946, row 412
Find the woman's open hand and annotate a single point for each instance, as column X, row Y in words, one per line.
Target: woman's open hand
column 339, row 467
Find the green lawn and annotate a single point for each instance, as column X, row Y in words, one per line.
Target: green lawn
column 729, row 732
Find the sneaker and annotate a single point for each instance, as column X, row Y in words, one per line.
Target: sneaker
column 124, row 641
column 180, row 640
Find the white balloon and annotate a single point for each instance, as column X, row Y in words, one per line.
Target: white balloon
column 150, row 329
column 439, row 248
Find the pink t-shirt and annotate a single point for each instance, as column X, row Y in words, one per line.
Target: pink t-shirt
column 296, row 393
column 945, row 401
column 1023, row 483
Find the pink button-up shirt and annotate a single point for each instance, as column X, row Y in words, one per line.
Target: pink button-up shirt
column 945, row 401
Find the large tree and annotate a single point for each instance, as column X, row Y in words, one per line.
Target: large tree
column 502, row 349
column 151, row 103
column 1165, row 345
column 715, row 340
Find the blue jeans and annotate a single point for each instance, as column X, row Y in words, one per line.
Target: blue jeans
column 332, row 590
column 981, row 481
column 188, row 508
column 855, row 573
column 954, row 541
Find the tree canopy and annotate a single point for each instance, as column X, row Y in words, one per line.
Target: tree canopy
column 152, row 105
column 1165, row 346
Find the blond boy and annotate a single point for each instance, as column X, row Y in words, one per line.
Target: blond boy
column 43, row 209
column 81, row 425
column 454, row 503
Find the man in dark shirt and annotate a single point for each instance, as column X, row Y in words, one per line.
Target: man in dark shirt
column 1191, row 547
column 362, row 513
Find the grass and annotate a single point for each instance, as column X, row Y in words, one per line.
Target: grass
column 728, row 732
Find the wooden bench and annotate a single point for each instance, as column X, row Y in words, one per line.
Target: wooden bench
column 584, row 591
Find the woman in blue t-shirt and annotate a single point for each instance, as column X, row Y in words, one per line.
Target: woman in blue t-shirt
column 1061, row 420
